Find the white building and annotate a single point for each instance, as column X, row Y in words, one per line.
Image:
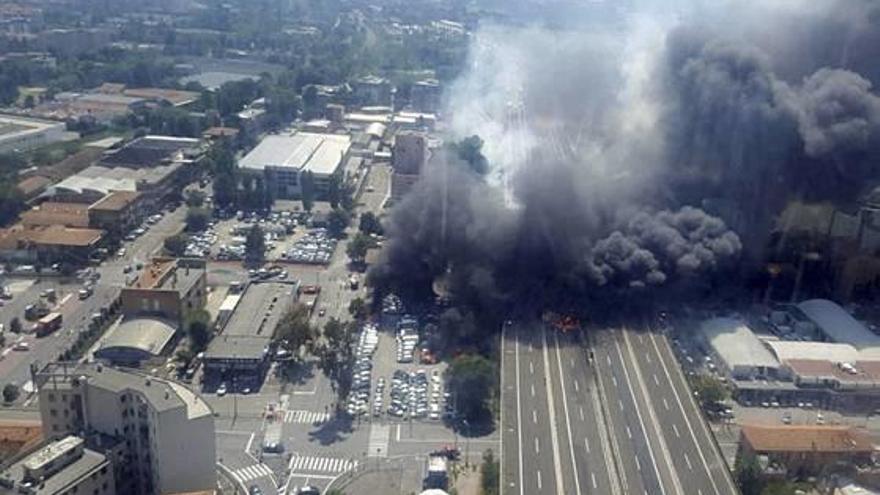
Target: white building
column 24, row 134
column 739, row 351
column 282, row 161
column 167, row 430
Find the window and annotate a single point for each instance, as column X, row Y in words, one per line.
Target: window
column 53, row 413
column 51, row 397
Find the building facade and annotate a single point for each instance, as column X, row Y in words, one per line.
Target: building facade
column 166, row 431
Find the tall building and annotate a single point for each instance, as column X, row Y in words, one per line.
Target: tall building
column 425, row 96
column 410, row 153
column 165, row 431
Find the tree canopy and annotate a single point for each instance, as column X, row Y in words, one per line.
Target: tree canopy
column 255, row 244
column 472, row 380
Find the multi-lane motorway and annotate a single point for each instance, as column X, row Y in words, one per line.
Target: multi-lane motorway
column 601, row 412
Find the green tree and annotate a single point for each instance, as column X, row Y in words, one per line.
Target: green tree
column 294, row 330
column 370, row 224
column 197, row 219
column 195, row 199
column 472, row 380
column 10, row 393
column 255, row 244
column 709, row 389
column 747, row 473
column 224, row 188
column 357, row 247
column 336, row 355
column 337, row 221
column 308, row 190
column 357, row 308
column 175, row 245
column 489, row 471
column 198, row 330
column 15, row 325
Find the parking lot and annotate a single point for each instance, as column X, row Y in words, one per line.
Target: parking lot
column 394, row 379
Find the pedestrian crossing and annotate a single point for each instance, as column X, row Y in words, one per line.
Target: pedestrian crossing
column 378, row 445
column 313, row 464
column 252, row 472
column 306, row 417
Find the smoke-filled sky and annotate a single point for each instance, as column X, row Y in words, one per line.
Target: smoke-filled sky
column 642, row 146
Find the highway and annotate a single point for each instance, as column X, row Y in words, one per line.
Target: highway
column 604, row 412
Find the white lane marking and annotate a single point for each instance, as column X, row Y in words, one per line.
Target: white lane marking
column 687, row 461
column 614, row 380
column 581, row 411
column 577, row 481
column 638, row 464
column 620, row 403
column 665, row 404
column 537, row 446
column 534, row 416
column 629, row 433
column 593, row 477
column 571, row 360
column 587, row 444
column 551, row 405
column 522, row 488
column 656, row 381
column 642, row 428
column 577, row 388
column 531, row 368
column 687, row 421
column 675, row 430
column 540, row 485
column 533, row 390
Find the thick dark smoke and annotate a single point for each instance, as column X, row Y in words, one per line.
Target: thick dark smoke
column 633, row 156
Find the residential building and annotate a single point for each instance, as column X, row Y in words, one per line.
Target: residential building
column 239, row 355
column 165, row 432
column 64, row 466
column 33, row 186
column 410, row 153
column 425, row 96
column 806, row 450
column 117, row 213
column 54, row 213
column 24, row 134
column 281, row 161
column 167, row 288
column 48, row 244
column 373, row 90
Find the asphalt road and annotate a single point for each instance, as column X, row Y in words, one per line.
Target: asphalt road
column 602, row 413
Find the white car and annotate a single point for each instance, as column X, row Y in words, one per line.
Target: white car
column 21, row 346
column 221, row 391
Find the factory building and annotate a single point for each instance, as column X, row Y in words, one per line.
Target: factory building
column 24, row 134
column 736, row 348
column 282, row 161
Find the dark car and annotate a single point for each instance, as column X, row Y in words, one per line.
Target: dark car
column 255, row 490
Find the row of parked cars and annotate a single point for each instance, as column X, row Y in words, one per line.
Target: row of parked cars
column 316, row 247
column 407, row 339
column 361, row 383
column 415, row 395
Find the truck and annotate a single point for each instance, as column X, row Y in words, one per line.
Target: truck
column 48, row 324
column 35, row 311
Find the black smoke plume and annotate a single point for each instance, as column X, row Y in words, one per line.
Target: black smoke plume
column 631, row 157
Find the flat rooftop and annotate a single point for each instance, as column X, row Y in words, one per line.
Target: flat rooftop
column 160, row 393
column 736, row 344
column 317, row 153
column 85, row 465
column 250, row 328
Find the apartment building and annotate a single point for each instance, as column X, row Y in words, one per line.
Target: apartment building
column 166, row 431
